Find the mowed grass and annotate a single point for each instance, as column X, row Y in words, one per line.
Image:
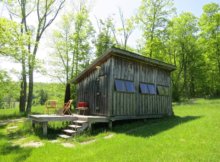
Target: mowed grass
column 193, row 134
column 13, row 113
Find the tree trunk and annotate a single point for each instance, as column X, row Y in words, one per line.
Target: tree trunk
column 30, row 90
column 23, row 90
column 23, row 95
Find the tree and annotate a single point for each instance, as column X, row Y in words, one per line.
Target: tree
column 105, row 38
column 12, row 43
column 45, row 11
column 81, row 38
column 209, row 24
column 125, row 31
column 153, row 16
column 9, row 89
column 62, row 45
column 183, row 52
column 42, row 95
column 72, row 44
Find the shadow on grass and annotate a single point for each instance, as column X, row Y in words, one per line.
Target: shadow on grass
column 139, row 128
column 12, row 116
column 13, row 152
column 54, row 128
column 143, row 128
column 150, row 127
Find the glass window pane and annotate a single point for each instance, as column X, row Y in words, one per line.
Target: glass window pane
column 143, row 88
column 151, row 88
column 166, row 91
column 120, row 85
column 130, row 86
column 163, row 90
column 160, row 90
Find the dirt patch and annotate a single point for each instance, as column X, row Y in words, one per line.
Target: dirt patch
column 67, row 144
column 54, row 141
column 109, row 136
column 12, row 127
column 87, row 142
column 33, row 144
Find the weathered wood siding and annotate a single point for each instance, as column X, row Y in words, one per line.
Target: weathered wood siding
column 109, row 102
column 137, row 104
column 94, row 89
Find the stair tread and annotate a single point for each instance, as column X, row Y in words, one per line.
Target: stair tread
column 69, row 131
column 64, row 136
column 74, row 126
column 80, row 121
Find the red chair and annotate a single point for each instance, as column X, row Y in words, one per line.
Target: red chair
column 82, row 106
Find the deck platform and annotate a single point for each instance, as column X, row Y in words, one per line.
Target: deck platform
column 44, row 119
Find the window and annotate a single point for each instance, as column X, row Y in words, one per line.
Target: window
column 151, row 88
column 147, row 88
column 124, row 86
column 144, row 88
column 120, row 85
column 129, row 86
column 163, row 90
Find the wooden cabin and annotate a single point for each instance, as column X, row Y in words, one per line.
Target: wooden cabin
column 125, row 85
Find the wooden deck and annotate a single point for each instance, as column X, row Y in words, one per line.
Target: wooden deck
column 44, row 119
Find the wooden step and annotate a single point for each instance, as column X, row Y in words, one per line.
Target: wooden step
column 64, row 136
column 80, row 121
column 74, row 126
column 70, row 131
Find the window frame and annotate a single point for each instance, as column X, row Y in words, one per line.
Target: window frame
column 148, row 91
column 125, row 85
column 165, row 89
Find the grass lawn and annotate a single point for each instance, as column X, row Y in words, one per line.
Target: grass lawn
column 193, row 134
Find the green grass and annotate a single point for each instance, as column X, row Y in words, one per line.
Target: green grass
column 193, row 134
column 13, row 113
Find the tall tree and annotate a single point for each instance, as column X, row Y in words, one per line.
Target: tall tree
column 81, row 38
column 72, row 43
column 62, row 58
column 184, row 53
column 209, row 24
column 12, row 43
column 123, row 33
column 105, row 36
column 153, row 16
column 45, row 11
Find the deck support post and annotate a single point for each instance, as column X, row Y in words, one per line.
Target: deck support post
column 110, row 124
column 90, row 126
column 44, row 125
column 33, row 123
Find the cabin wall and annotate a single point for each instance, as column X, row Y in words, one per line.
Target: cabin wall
column 94, row 89
column 137, row 104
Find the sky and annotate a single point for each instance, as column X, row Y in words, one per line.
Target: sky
column 102, row 9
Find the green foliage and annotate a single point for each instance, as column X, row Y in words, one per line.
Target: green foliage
column 82, row 37
column 43, row 96
column 104, row 38
column 11, row 42
column 72, row 44
column 9, row 91
column 209, row 41
column 49, row 91
column 153, row 16
column 182, row 31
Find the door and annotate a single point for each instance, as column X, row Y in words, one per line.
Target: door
column 101, row 97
